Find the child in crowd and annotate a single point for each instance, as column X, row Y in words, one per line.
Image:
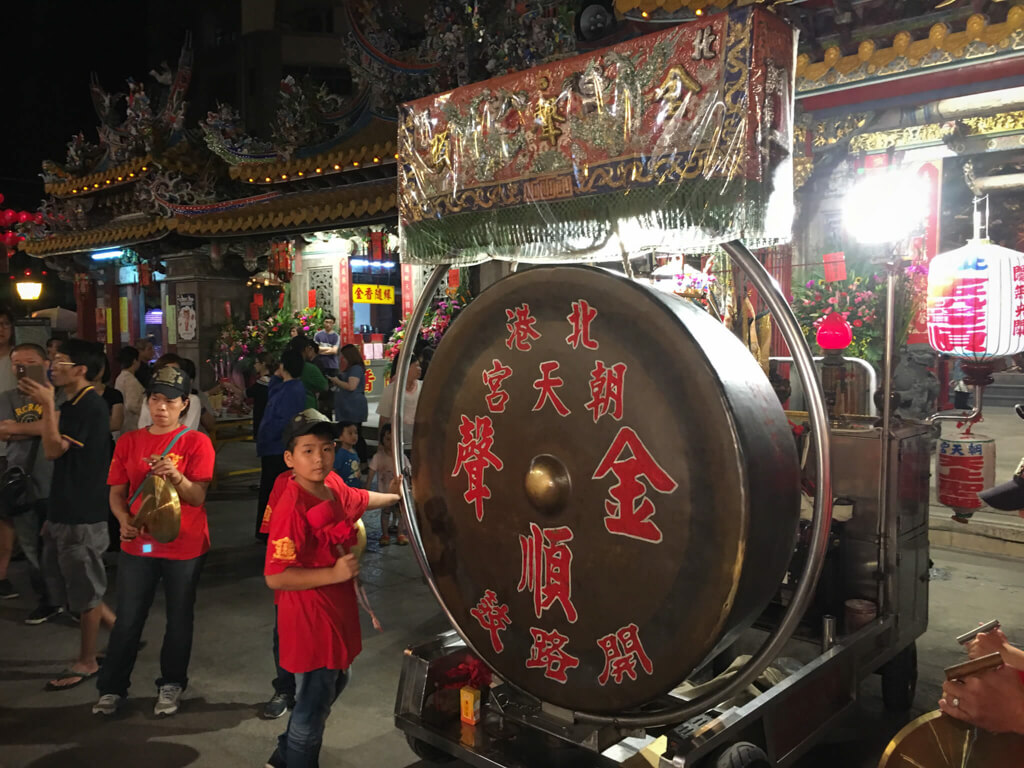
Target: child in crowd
column 318, row 618
column 382, row 466
column 346, row 460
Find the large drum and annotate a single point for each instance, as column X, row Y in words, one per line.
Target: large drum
column 606, row 486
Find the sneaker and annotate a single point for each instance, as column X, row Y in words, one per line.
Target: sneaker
column 385, row 540
column 279, row 704
column 42, row 614
column 167, row 699
column 108, row 704
column 403, row 539
column 7, row 590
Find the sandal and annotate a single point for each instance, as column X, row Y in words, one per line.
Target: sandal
column 68, row 674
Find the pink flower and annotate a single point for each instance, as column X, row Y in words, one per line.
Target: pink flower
column 833, row 300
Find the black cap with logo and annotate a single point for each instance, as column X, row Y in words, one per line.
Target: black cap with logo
column 170, row 381
column 307, row 422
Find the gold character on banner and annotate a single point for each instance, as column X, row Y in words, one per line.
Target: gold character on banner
column 548, row 118
column 440, row 150
column 677, row 80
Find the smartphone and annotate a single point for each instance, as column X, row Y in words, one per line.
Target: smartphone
column 34, row 372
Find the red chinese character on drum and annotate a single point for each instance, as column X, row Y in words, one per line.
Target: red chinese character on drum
column 492, row 617
column 580, row 318
column 475, row 456
column 520, row 328
column 622, row 652
column 1018, row 301
column 607, row 387
column 630, row 510
column 548, row 653
column 496, row 397
column 547, row 384
column 547, row 560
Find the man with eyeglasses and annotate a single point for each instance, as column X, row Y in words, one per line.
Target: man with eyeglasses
column 77, row 441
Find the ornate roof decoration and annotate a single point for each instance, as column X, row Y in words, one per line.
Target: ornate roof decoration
column 328, row 208
column 125, row 173
column 130, row 231
column 132, row 126
column 349, row 155
column 942, row 47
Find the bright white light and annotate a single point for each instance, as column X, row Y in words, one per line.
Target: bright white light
column 29, row 290
column 886, row 207
column 117, row 253
column 361, row 263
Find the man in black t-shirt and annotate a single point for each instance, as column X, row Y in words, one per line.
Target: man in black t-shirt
column 75, row 535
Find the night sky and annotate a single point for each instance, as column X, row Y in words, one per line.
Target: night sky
column 47, row 54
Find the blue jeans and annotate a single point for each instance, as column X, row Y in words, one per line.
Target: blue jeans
column 137, row 579
column 299, row 746
column 285, row 680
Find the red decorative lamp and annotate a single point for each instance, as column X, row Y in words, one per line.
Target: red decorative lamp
column 834, row 336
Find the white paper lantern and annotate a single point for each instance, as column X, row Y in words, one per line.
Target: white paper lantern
column 976, row 302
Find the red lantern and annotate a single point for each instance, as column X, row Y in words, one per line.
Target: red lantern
column 38, row 218
column 24, row 217
column 1, row 198
column 834, row 333
column 8, row 217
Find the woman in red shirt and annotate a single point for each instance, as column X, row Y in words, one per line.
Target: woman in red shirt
column 184, row 458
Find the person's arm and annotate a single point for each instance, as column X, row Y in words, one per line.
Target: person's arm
column 313, row 378
column 116, row 417
column 191, row 493
column 350, row 384
column 16, row 430
column 119, row 506
column 379, row 500
column 995, row 641
column 297, row 578
column 55, row 445
column 208, row 420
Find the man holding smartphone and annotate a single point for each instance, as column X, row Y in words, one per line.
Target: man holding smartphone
column 76, row 437
column 20, row 432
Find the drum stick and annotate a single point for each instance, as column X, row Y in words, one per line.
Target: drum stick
column 988, row 626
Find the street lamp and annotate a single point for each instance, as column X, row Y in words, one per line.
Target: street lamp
column 29, row 290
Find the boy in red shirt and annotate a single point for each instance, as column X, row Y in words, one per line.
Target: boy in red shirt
column 309, row 514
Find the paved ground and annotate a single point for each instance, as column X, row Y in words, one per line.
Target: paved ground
column 231, row 667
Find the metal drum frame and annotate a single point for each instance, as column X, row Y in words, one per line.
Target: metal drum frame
column 772, row 295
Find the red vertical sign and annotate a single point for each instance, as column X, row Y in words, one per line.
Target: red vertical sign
column 924, row 251
column 407, row 293
column 344, row 302
column 311, row 298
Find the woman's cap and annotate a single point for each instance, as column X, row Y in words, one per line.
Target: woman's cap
column 170, row 381
column 307, row 422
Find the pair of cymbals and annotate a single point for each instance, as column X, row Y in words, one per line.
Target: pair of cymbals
column 160, row 513
column 936, row 740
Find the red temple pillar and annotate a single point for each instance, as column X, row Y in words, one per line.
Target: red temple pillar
column 85, row 293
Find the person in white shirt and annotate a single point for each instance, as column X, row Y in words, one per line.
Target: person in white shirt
column 412, row 396
column 130, row 388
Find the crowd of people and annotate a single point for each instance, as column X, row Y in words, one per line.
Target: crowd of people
column 78, row 450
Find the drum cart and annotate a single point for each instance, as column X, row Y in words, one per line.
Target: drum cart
column 649, row 598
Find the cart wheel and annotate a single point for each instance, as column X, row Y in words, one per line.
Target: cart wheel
column 743, row 755
column 427, row 752
column 899, row 680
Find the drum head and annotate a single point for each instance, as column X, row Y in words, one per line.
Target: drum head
column 935, row 740
column 581, row 486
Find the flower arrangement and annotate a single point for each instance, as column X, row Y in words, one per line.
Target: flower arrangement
column 438, row 318
column 861, row 301
column 236, row 344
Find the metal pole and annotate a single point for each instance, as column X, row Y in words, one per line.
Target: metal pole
column 412, row 330
column 772, row 295
column 886, row 452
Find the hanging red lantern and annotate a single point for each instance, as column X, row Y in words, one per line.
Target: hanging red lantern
column 1, row 198
column 38, row 218
column 8, row 217
column 24, row 217
column 834, row 333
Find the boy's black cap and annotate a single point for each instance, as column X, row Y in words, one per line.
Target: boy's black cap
column 172, row 382
column 307, row 422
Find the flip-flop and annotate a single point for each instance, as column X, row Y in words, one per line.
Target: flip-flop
column 82, row 677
